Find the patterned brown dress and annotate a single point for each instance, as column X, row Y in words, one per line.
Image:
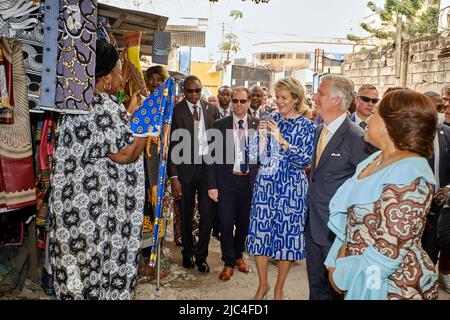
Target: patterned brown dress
column 394, row 225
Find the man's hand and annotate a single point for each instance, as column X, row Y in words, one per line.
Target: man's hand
column 441, row 196
column 214, row 194
column 176, row 188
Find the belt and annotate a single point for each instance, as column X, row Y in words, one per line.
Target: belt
column 239, row 174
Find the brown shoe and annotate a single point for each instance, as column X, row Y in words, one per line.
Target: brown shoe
column 242, row 266
column 226, row 274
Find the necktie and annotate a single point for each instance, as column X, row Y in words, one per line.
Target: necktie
column 321, row 145
column 254, row 113
column 195, row 114
column 363, row 124
column 241, row 134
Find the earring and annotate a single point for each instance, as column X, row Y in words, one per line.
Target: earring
column 385, row 130
column 107, row 89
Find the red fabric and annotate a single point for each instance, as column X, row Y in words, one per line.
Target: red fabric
column 17, row 175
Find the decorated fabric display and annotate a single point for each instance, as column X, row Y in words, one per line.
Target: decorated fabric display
column 49, row 56
column 17, row 183
column 154, row 118
column 44, row 164
column 15, row 16
column 148, row 119
column 136, row 81
column 23, row 20
column 75, row 72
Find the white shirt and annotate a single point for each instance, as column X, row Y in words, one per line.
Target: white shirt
column 334, row 126
column 256, row 112
column 225, row 112
column 201, row 136
column 238, row 154
column 358, row 120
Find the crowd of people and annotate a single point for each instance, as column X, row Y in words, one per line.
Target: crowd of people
column 363, row 196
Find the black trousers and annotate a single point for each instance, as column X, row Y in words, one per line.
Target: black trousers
column 198, row 185
column 429, row 237
column 319, row 285
column 443, row 230
column 234, row 218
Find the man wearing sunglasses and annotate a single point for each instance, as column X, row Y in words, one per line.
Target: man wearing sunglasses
column 446, row 100
column 230, row 183
column 193, row 116
column 365, row 100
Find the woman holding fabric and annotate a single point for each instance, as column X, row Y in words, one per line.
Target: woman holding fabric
column 378, row 215
column 284, row 144
column 97, row 198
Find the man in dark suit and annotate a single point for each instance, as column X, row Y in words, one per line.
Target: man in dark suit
column 365, row 101
column 230, row 180
column 338, row 147
column 256, row 102
column 440, row 163
column 191, row 119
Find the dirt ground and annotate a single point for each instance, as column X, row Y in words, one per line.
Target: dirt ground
column 183, row 284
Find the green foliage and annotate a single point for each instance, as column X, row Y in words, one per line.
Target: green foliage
column 416, row 21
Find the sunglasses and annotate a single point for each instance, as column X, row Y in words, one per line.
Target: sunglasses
column 198, row 90
column 241, row 101
column 367, row 99
column 441, row 107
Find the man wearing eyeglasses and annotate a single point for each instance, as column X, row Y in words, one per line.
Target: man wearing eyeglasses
column 365, row 101
column 229, row 183
column 189, row 177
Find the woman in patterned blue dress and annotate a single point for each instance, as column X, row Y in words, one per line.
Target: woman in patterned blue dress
column 283, row 146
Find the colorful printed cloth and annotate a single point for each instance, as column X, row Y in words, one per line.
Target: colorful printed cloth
column 75, row 72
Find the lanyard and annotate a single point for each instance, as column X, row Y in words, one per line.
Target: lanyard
column 236, row 130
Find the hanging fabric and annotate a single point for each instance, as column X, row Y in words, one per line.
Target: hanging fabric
column 75, row 71
column 133, row 64
column 17, row 181
column 50, row 56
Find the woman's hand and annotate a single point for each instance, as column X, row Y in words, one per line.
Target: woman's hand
column 274, row 131
column 330, row 278
column 134, row 103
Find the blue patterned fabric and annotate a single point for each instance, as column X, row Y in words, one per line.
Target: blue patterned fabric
column 278, row 210
column 148, row 119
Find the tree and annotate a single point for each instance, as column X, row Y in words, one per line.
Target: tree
column 230, row 42
column 417, row 17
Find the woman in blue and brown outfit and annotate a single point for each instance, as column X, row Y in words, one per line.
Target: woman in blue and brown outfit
column 379, row 214
column 97, row 198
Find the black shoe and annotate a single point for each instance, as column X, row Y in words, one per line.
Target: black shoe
column 188, row 262
column 203, row 267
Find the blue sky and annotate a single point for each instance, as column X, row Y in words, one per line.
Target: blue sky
column 280, row 20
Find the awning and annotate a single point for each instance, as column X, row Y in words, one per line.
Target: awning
column 124, row 20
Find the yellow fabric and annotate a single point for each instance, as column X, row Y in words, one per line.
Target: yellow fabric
column 133, row 44
column 322, row 143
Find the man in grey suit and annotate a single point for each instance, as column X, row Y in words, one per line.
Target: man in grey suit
column 338, row 148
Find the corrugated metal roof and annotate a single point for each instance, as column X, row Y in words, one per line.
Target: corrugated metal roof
column 188, row 38
column 123, row 20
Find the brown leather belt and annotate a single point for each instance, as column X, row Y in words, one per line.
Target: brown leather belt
column 239, row 174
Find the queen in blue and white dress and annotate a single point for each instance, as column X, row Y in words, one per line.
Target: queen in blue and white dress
column 278, row 209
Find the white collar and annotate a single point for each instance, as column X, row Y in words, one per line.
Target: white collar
column 334, row 126
column 236, row 119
